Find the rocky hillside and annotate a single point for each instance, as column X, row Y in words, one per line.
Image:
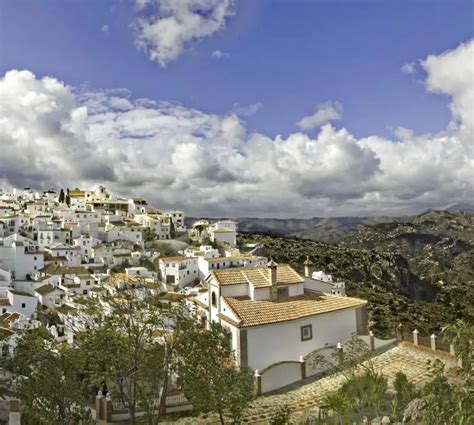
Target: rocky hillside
column 418, row 271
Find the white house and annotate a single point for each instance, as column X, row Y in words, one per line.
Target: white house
column 224, row 231
column 68, row 252
column 206, row 264
column 272, row 318
column 178, row 220
column 50, row 295
column 86, row 243
column 320, row 281
column 12, row 301
column 178, row 271
column 17, row 258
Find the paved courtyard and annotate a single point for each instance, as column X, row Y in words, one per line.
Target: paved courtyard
column 306, row 398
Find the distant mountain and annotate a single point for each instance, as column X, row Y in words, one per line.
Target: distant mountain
column 461, row 206
column 322, row 229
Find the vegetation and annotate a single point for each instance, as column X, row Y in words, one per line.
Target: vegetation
column 149, row 235
column 444, row 400
column 135, row 354
column 208, row 374
column 48, row 383
column 61, row 196
column 165, row 249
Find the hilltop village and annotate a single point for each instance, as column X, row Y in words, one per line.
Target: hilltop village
column 57, row 249
column 63, row 252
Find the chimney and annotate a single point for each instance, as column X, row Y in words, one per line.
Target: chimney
column 272, row 271
column 308, row 267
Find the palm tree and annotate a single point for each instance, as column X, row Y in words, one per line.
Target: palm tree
column 338, row 404
column 461, row 335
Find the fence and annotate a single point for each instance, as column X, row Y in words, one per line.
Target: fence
column 433, row 342
column 314, row 364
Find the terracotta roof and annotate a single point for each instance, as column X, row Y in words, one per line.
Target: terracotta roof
column 6, row 318
column 121, row 278
column 174, row 258
column 254, row 313
column 5, row 334
column 5, row 302
column 257, row 276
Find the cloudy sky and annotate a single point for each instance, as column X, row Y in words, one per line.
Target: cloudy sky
column 242, row 108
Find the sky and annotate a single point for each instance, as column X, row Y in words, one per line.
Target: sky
column 242, row 108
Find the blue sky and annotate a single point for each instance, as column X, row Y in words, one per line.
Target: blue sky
column 287, row 55
column 293, row 108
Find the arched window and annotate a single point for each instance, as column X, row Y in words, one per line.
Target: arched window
column 214, row 299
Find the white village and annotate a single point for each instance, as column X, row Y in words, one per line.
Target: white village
column 61, row 251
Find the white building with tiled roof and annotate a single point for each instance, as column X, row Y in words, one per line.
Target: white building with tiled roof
column 178, row 271
column 272, row 317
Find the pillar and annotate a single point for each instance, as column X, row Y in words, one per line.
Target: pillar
column 372, row 341
column 433, row 342
column 415, row 337
column 14, row 412
column 258, row 382
column 303, row 367
column 99, row 410
column 340, row 354
column 400, row 332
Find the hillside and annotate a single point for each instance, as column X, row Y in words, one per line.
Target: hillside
column 322, row 229
column 418, row 272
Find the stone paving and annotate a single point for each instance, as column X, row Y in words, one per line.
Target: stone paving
column 306, row 398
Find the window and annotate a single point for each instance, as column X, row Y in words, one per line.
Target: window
column 214, row 299
column 306, row 332
column 23, row 305
column 283, row 292
column 4, row 310
column 84, row 292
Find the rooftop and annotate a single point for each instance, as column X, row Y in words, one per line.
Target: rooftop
column 256, row 276
column 255, row 313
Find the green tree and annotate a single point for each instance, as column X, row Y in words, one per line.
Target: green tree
column 451, row 401
column 61, row 196
column 208, row 374
column 172, row 229
column 131, row 351
column 48, row 384
column 405, row 392
column 461, row 335
column 68, row 200
column 149, row 235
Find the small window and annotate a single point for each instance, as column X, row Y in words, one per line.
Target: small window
column 4, row 310
column 283, row 292
column 214, row 299
column 84, row 292
column 306, row 332
column 23, row 305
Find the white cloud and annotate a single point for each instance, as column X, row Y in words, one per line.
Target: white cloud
column 105, row 29
column 325, row 112
column 219, row 54
column 408, row 68
column 246, row 110
column 54, row 135
column 166, row 27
